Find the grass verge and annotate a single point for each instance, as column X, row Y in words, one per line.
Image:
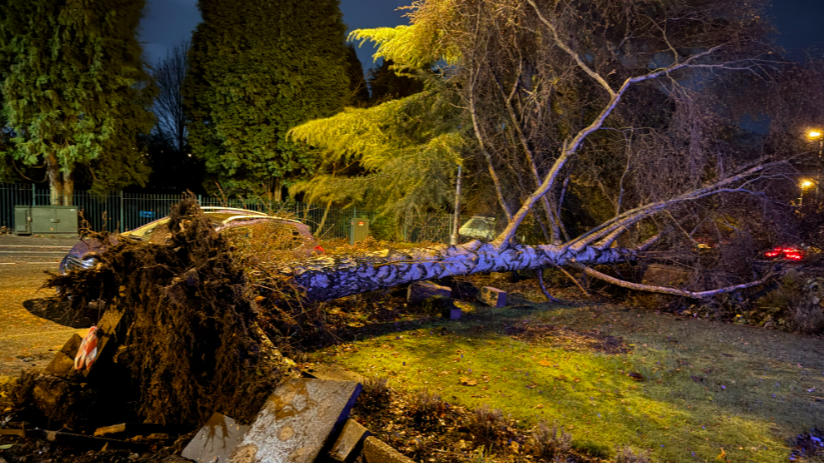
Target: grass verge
column 706, row 386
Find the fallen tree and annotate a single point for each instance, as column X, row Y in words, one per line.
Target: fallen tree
column 614, row 128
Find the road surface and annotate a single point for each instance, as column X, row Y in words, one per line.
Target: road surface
column 27, row 340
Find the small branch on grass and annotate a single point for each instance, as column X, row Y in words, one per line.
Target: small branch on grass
column 540, row 273
column 672, row 291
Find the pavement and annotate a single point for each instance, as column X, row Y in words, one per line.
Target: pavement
column 28, row 340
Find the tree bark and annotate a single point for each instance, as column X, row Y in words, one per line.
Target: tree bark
column 55, row 179
column 326, row 278
column 68, row 189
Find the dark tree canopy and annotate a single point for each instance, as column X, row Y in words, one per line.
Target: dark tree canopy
column 257, row 69
column 75, row 92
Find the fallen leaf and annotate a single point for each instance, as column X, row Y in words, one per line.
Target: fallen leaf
column 467, row 381
column 545, row 363
column 636, row 376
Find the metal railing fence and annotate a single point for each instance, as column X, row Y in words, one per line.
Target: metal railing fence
column 122, row 211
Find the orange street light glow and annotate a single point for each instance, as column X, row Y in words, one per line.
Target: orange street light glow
column 814, row 134
column 806, row 184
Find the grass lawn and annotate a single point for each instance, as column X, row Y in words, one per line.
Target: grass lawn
column 707, row 386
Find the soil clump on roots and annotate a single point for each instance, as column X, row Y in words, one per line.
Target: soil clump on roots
column 193, row 344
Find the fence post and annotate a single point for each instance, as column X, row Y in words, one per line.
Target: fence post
column 33, row 194
column 122, row 215
column 199, row 201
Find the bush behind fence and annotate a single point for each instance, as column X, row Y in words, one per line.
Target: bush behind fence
column 124, row 211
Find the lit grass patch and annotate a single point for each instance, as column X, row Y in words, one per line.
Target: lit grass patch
column 707, row 385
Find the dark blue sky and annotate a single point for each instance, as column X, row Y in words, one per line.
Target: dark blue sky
column 167, row 22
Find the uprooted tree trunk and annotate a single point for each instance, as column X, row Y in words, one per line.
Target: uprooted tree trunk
column 331, row 278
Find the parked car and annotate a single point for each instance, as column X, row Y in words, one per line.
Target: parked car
column 478, row 227
column 789, row 253
column 86, row 252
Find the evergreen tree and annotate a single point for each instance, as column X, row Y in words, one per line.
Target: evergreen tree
column 76, row 93
column 388, row 83
column 257, row 69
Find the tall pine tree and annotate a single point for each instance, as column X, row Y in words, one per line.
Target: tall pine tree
column 76, row 94
column 257, row 70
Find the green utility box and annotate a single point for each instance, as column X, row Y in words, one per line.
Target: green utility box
column 22, row 220
column 358, row 230
column 49, row 220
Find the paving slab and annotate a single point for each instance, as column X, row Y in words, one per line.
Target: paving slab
column 378, row 451
column 492, row 297
column 301, row 419
column 63, row 362
column 216, row 440
column 332, row 372
column 350, row 442
column 420, row 291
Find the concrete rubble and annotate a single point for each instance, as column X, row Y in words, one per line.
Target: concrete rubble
column 492, row 297
column 378, row 451
column 420, row 291
column 350, row 442
column 298, row 421
column 216, row 440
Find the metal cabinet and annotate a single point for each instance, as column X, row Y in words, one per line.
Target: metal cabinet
column 48, row 220
column 358, row 230
column 22, row 220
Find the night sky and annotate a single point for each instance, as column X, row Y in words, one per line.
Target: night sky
column 167, row 22
column 800, row 23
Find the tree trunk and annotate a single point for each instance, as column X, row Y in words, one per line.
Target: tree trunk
column 456, row 219
column 326, row 278
column 277, row 191
column 319, row 231
column 68, row 189
column 55, row 179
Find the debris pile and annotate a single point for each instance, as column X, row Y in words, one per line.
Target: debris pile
column 179, row 337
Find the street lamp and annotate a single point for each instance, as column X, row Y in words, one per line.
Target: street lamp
column 805, row 185
column 817, row 134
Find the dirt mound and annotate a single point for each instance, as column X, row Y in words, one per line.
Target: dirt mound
column 193, row 345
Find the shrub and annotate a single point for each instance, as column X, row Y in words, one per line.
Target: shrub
column 551, row 443
column 486, row 423
column 626, row 455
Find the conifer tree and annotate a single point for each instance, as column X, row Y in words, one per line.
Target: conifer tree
column 257, row 70
column 75, row 93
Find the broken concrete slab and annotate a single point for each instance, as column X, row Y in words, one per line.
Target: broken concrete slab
column 492, row 297
column 63, row 362
column 298, row 421
column 111, row 331
column 216, row 440
column 331, row 372
column 348, row 445
column 378, row 451
column 420, row 291
column 453, row 313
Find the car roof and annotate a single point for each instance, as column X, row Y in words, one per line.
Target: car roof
column 232, row 213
